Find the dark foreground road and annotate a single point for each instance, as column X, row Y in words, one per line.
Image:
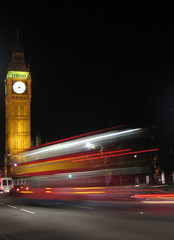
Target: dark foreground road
column 120, row 221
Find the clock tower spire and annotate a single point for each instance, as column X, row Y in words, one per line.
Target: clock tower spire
column 17, row 105
column 17, row 61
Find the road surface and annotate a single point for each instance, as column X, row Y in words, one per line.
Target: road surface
column 92, row 220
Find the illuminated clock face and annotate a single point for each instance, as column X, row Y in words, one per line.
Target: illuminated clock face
column 19, row 87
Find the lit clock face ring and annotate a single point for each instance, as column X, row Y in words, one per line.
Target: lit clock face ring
column 19, row 87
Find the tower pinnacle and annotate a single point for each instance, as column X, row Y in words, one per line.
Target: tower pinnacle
column 18, row 61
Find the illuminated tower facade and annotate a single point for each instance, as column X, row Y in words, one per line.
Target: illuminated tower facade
column 17, row 104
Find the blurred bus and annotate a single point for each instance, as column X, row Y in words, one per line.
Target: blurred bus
column 80, row 166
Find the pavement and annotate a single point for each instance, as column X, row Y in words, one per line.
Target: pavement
column 84, row 220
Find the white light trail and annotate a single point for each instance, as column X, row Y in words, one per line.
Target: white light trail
column 75, row 143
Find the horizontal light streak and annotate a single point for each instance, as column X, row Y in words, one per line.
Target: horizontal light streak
column 87, row 188
column 90, row 192
column 85, row 157
column 26, row 192
column 82, row 157
column 159, row 202
column 53, row 169
column 119, row 154
column 155, row 195
column 104, row 155
column 75, row 137
column 74, row 143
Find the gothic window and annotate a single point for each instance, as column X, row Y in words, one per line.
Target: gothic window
column 22, row 110
column 15, row 110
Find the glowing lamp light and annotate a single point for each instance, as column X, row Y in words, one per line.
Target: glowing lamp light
column 70, row 176
column 88, row 145
column 15, row 164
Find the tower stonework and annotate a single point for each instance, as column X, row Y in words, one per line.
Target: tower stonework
column 17, row 104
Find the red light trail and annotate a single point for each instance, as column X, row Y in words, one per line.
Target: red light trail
column 119, row 154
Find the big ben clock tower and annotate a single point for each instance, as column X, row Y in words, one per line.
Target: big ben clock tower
column 17, row 104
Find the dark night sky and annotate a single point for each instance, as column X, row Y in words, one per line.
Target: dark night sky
column 93, row 66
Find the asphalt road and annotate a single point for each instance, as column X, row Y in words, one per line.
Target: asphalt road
column 118, row 221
